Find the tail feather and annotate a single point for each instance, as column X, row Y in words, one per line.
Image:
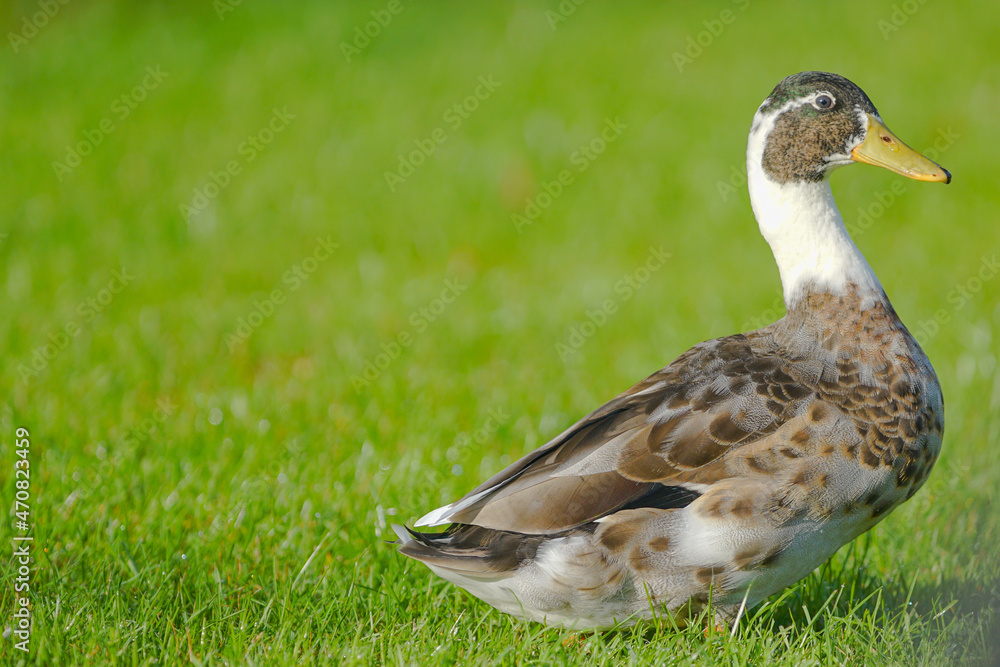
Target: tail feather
column 475, row 550
column 436, row 549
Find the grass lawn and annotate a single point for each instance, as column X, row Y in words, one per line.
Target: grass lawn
column 271, row 284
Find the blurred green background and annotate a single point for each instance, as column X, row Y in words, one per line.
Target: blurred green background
column 297, row 349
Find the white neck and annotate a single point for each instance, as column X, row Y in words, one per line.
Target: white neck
column 806, row 232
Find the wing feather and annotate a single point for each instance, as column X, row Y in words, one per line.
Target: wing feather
column 716, row 398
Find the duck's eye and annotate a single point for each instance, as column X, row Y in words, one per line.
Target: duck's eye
column 823, row 102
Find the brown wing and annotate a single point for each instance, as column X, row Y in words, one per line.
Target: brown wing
column 718, row 396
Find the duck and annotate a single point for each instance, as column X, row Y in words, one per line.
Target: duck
column 746, row 463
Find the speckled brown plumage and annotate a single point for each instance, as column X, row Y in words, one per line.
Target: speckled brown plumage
column 777, row 399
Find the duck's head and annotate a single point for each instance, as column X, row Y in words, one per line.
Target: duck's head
column 814, row 122
column 809, row 125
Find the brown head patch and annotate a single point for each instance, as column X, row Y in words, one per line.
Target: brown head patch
column 802, row 139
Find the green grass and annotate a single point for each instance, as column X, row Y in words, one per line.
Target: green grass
column 193, row 502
